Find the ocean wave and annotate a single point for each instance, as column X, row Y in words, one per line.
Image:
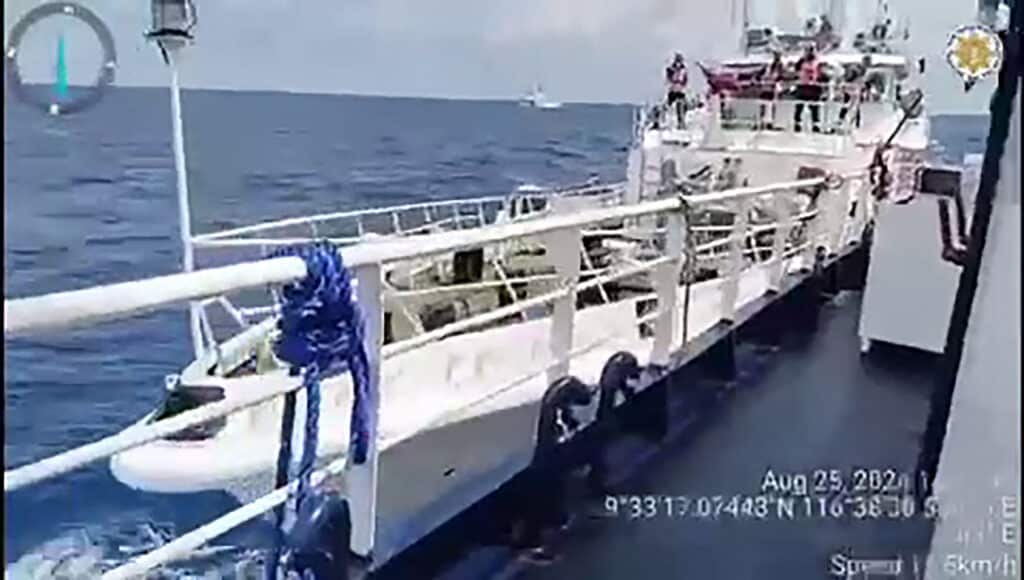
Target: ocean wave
column 291, row 179
column 93, row 180
column 124, row 239
column 87, row 553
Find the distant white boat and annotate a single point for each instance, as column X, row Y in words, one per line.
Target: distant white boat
column 538, row 100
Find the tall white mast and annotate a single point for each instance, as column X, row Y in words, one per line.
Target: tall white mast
column 173, row 21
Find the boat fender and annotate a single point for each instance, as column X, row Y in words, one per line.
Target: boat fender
column 558, row 422
column 319, row 540
column 544, row 489
column 616, row 375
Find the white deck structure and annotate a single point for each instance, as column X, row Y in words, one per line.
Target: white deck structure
column 458, row 411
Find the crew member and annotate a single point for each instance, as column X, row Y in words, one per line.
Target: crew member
column 676, row 77
column 808, row 88
column 852, row 85
column 771, row 87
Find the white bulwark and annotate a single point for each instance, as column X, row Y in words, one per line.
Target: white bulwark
column 978, row 481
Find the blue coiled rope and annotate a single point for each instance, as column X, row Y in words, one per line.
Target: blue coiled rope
column 321, row 334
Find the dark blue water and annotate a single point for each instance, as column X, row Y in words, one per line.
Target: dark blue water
column 90, row 200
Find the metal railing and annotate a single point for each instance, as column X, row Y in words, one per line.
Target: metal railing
column 830, row 226
column 374, row 224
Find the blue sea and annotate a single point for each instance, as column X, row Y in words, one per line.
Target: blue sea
column 89, row 199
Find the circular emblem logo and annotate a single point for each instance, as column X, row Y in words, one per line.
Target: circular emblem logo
column 974, row 52
column 63, row 99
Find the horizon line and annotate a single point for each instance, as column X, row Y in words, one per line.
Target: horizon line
column 458, row 98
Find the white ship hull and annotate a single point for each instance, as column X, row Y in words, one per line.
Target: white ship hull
column 458, row 418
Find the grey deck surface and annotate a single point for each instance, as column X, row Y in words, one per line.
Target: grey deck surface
column 814, row 406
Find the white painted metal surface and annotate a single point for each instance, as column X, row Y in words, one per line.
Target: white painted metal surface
column 908, row 297
column 978, row 481
column 184, row 213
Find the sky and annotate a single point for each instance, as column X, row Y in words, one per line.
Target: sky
column 580, row 50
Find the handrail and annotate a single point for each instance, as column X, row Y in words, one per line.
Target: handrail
column 74, row 307
column 62, row 309
column 391, row 250
column 542, row 194
column 317, row 218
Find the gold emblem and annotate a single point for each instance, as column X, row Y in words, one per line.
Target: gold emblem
column 974, row 52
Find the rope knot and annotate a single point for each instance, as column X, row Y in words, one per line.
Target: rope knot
column 319, row 321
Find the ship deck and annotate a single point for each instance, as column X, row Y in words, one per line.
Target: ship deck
column 813, row 405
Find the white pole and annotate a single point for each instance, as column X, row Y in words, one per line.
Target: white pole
column 563, row 246
column 184, row 213
column 361, row 480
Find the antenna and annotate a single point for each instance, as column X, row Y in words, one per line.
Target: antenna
column 173, row 21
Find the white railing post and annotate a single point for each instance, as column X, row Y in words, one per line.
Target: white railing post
column 868, row 207
column 562, row 247
column 588, row 263
column 861, row 197
column 783, row 227
column 361, row 480
column 839, row 205
column 815, row 231
column 737, row 237
column 482, row 216
column 715, row 127
column 666, row 282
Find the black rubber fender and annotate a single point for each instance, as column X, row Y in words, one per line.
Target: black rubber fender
column 543, row 489
column 615, row 377
column 558, row 403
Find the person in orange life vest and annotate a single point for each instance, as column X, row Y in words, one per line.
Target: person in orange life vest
column 676, row 77
column 808, row 88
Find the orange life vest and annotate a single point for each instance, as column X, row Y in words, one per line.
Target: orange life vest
column 809, row 71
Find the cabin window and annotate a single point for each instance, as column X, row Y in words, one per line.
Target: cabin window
column 186, row 398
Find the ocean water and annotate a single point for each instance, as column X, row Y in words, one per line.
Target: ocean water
column 90, row 200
